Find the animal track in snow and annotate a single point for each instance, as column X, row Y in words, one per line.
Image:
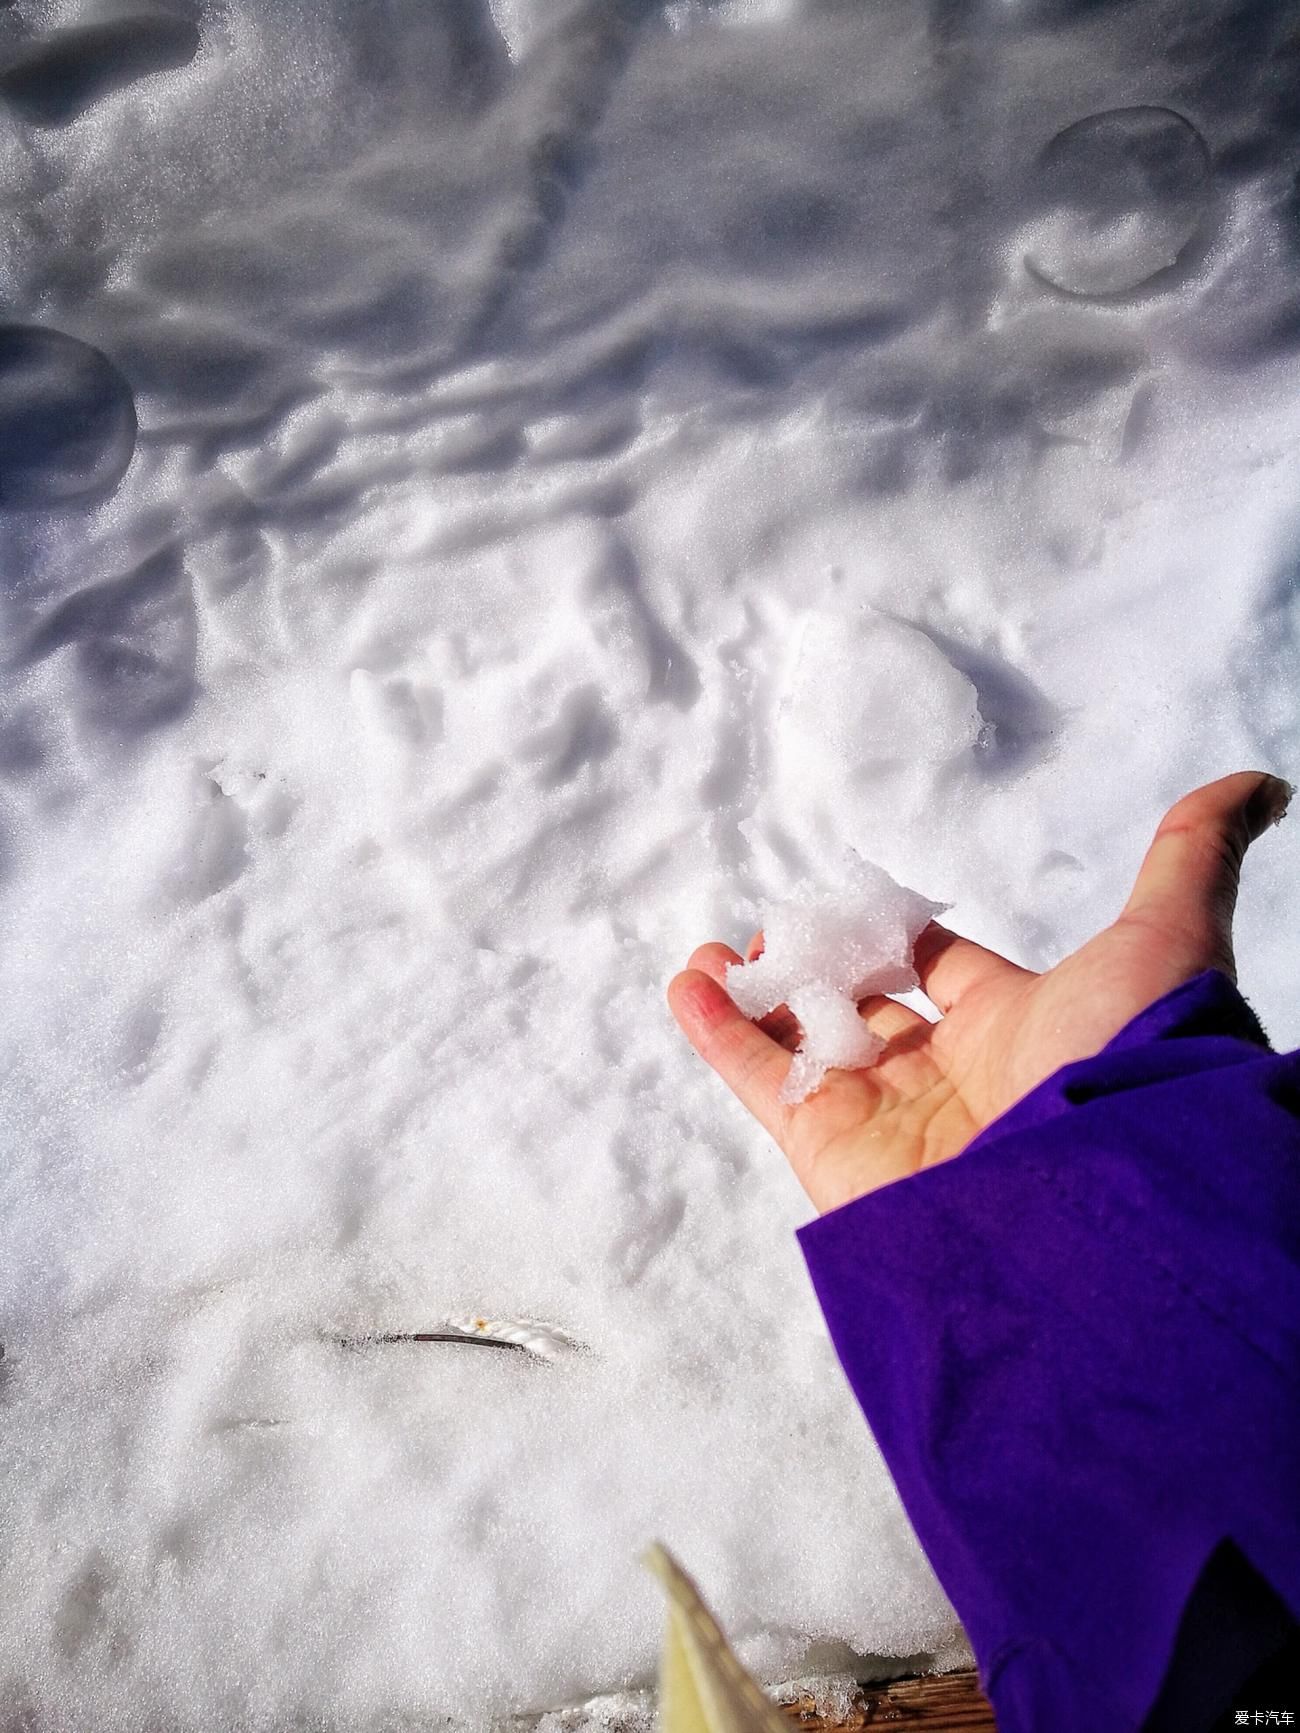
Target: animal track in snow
column 1120, row 195
column 55, row 78
column 135, row 644
column 67, row 420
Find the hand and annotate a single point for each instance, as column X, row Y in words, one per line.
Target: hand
column 1003, row 1029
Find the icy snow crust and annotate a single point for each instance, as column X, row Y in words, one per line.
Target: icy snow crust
column 547, row 477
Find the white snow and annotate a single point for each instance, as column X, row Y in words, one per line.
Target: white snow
column 823, row 951
column 533, row 482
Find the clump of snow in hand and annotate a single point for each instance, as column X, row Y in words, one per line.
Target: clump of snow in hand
column 823, row 951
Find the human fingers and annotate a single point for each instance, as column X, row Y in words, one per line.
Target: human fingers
column 716, row 958
column 949, row 965
column 783, row 1026
column 1186, row 888
column 749, row 1061
column 888, row 1019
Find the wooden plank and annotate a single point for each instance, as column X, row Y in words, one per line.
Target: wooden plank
column 936, row 1703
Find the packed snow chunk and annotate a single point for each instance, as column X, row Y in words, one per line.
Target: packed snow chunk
column 869, row 704
column 833, row 1034
column 876, row 691
column 823, row 951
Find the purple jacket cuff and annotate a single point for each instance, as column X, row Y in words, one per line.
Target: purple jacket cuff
column 1078, row 1347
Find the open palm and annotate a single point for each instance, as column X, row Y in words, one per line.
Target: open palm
column 1003, row 1029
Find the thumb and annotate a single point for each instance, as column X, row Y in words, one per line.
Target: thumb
column 1186, row 888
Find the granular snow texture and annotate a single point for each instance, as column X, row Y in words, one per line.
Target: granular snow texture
column 491, row 491
column 824, row 950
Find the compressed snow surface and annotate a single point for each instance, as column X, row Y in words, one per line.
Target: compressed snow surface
column 487, row 492
column 823, row 951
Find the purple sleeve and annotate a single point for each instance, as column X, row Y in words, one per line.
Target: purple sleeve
column 1078, row 1347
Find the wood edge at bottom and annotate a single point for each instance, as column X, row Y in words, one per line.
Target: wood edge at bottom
column 935, row 1702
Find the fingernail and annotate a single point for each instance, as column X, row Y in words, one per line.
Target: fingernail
column 1268, row 804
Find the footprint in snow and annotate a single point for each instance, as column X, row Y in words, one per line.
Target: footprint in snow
column 1119, row 196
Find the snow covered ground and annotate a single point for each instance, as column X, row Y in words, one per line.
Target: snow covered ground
column 547, row 474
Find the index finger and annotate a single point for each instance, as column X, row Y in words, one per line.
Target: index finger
column 749, row 1062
